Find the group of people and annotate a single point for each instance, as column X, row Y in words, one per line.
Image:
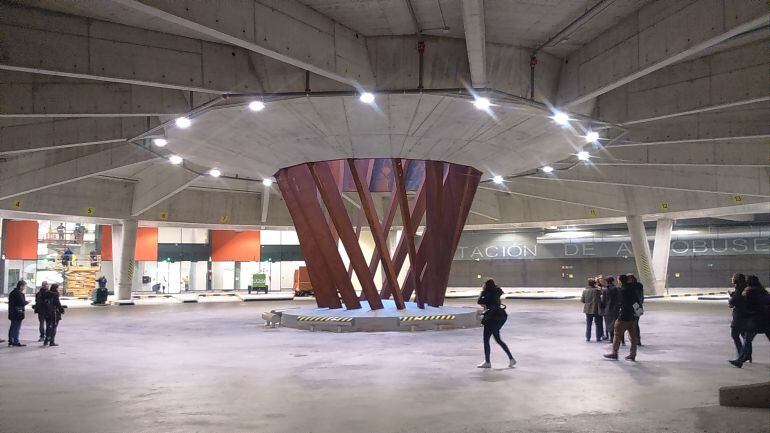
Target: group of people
column 47, row 306
column 750, row 303
column 614, row 310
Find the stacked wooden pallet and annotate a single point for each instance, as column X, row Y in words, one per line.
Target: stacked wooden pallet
column 80, row 281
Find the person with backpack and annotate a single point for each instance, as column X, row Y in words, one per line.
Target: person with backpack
column 493, row 320
column 630, row 311
column 38, row 309
column 16, row 303
column 53, row 310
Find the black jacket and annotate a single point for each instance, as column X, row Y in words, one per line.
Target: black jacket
column 738, row 303
column 38, row 307
column 490, row 298
column 629, row 295
column 52, row 308
column 611, row 300
column 16, row 303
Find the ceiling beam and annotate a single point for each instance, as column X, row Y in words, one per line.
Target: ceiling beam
column 644, row 43
column 287, row 31
column 157, row 183
column 475, row 41
column 43, row 170
column 265, row 199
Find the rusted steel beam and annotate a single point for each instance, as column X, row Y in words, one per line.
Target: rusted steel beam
column 379, row 239
column 416, row 212
column 324, row 181
column 306, row 194
column 359, row 223
column 409, row 230
column 323, row 286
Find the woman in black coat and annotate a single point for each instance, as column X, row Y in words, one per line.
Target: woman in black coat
column 16, row 303
column 53, row 310
column 493, row 320
column 738, row 304
column 757, row 319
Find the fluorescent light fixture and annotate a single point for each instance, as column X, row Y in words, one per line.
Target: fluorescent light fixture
column 267, row 182
column 482, row 103
column 568, row 235
column 175, row 159
column 256, row 106
column 560, row 118
column 592, row 137
column 182, row 122
column 498, row 179
column 160, row 142
column 547, row 169
column 215, row 172
column 583, row 155
column 685, row 232
column 366, row 97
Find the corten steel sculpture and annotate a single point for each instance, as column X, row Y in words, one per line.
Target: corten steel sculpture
column 443, row 193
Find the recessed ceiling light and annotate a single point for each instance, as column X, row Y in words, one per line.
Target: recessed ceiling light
column 547, row 169
column 498, row 179
column 366, row 97
column 592, row 137
column 182, row 122
column 160, row 142
column 175, row 159
column 256, row 105
column 482, row 103
column 583, row 155
column 267, row 182
column 215, row 172
column 560, row 118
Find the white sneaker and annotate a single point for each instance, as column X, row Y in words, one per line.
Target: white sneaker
column 512, row 362
column 484, row 365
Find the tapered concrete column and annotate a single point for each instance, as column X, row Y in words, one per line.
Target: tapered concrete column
column 660, row 253
column 117, row 242
column 127, row 248
column 641, row 253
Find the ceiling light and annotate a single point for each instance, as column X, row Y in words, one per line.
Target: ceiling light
column 547, row 169
column 182, row 122
column 592, row 137
column 560, row 118
column 256, row 106
column 497, row 179
column 366, row 97
column 583, row 155
column 215, row 173
column 482, row 103
column 160, row 142
column 175, row 159
column 684, row 232
column 267, row 182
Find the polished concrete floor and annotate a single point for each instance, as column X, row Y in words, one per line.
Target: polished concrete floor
column 215, row 367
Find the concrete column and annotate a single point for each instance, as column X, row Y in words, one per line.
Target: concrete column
column 126, row 268
column 117, row 242
column 660, row 253
column 641, row 252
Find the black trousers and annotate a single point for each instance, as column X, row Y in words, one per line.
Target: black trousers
column 50, row 330
column 736, row 333
column 493, row 330
column 42, row 327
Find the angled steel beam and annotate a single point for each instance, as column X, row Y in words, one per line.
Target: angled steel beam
column 409, row 229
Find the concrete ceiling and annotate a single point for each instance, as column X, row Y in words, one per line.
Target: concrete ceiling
column 684, row 85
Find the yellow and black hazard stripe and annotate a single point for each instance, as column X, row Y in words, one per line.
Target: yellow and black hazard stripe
column 324, row 319
column 427, row 318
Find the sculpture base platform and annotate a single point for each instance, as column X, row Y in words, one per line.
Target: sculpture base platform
column 412, row 318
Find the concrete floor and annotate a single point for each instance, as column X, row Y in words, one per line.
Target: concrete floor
column 214, row 367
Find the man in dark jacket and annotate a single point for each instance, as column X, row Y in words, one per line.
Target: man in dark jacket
column 38, row 307
column 53, row 310
column 16, row 303
column 629, row 302
column 610, row 300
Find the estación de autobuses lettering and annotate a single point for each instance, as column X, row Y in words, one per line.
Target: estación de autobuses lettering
column 474, row 246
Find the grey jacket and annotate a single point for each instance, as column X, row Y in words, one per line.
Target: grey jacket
column 592, row 300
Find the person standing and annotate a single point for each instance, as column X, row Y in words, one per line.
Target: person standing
column 66, row 259
column 16, row 304
column 60, row 230
column 737, row 303
column 38, row 309
column 493, row 320
column 611, row 306
column 591, row 299
column 630, row 310
column 53, row 311
column 757, row 319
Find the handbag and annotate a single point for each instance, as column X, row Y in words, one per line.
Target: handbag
column 638, row 309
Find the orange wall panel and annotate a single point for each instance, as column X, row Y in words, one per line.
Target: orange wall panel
column 21, row 240
column 146, row 244
column 235, row 246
